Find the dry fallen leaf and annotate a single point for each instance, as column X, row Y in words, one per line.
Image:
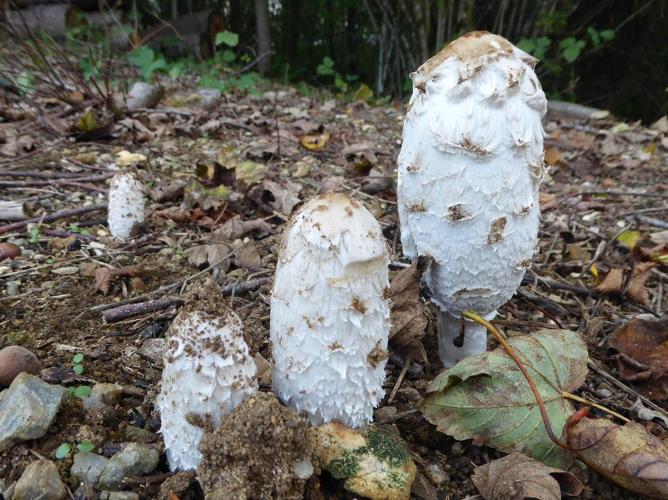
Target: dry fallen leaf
column 635, row 289
column 407, row 313
column 248, row 256
column 104, row 276
column 236, row 228
column 315, row 142
column 209, row 254
column 643, row 359
column 613, row 282
column 517, row 476
column 167, row 191
column 628, row 455
column 270, row 195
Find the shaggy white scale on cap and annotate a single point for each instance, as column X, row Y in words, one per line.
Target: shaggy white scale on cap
column 469, row 172
column 209, row 372
column 330, row 317
column 126, row 205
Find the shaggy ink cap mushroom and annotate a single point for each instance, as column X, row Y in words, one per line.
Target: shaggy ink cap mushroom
column 330, row 312
column 469, row 171
column 126, row 205
column 208, row 372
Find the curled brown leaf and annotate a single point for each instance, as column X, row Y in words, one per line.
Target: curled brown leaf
column 104, row 276
column 628, row 455
column 517, row 476
column 407, row 311
column 643, row 355
column 613, row 282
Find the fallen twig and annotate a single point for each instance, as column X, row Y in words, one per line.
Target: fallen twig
column 71, row 212
column 133, row 310
column 49, row 182
column 244, row 287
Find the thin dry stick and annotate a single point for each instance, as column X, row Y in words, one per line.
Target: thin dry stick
column 536, row 393
column 577, row 398
column 400, row 380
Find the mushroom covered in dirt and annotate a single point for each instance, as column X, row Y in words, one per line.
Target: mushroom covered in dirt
column 469, row 171
column 330, row 315
column 208, row 373
column 126, row 205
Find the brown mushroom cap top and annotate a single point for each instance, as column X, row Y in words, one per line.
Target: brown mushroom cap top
column 473, row 46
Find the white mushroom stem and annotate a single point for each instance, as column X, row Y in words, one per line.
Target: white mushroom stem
column 208, row 372
column 469, row 170
column 329, row 312
column 126, row 205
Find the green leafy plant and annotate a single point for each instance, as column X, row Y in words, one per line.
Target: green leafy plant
column 77, row 363
column 571, row 48
column 81, row 391
column 326, row 67
column 74, row 228
column 33, row 234
column 230, row 40
column 147, row 61
column 63, row 451
column 85, row 446
column 535, row 46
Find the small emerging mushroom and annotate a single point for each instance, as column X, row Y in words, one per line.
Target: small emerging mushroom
column 330, row 313
column 469, row 171
column 126, row 205
column 208, row 373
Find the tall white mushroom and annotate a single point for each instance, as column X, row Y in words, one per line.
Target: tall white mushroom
column 126, row 205
column 330, row 316
column 469, row 171
column 208, row 372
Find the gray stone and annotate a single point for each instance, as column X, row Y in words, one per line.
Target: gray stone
column 136, row 459
column 143, row 95
column 435, row 474
column 153, row 349
column 88, row 467
column 9, row 492
column 118, row 495
column 40, row 480
column 27, row 409
column 103, row 395
column 209, row 97
column 13, row 288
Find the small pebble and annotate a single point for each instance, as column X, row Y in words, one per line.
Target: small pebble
column 435, row 474
column 15, row 359
column 603, row 392
column 385, row 413
column 13, row 288
column 457, row 449
column 66, row 270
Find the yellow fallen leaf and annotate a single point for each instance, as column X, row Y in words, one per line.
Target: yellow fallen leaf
column 315, row 142
column 594, row 271
column 628, row 239
column 126, row 158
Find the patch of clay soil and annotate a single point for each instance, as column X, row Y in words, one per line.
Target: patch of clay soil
column 254, row 452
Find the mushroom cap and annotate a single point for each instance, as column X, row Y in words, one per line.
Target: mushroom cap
column 126, row 205
column 334, row 223
column 208, row 372
column 469, row 170
column 329, row 314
